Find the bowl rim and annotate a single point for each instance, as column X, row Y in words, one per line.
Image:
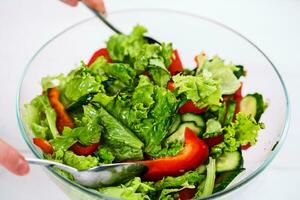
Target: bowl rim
column 95, row 193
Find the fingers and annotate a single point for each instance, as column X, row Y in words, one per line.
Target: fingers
column 12, row 160
column 71, row 2
column 96, row 4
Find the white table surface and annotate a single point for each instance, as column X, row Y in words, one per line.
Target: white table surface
column 273, row 25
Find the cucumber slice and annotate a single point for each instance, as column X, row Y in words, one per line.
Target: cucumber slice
column 253, row 104
column 175, row 125
column 225, row 178
column 179, row 133
column 191, row 117
column 229, row 161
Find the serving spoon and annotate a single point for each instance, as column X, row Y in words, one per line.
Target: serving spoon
column 99, row 176
column 150, row 40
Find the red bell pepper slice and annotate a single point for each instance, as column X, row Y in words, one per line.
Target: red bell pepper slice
column 212, row 141
column 101, row 52
column 246, row 146
column 187, row 194
column 171, row 85
column 237, row 96
column 190, row 107
column 82, row 150
column 194, row 153
column 62, row 117
column 44, row 145
column 176, row 64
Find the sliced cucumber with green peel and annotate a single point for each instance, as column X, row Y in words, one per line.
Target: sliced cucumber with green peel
column 229, row 161
column 175, row 125
column 191, row 117
column 84, row 100
column 225, row 178
column 179, row 133
column 253, row 104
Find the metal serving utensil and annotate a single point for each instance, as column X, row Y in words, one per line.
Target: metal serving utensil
column 104, row 175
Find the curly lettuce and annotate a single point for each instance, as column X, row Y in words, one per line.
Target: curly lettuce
column 224, row 73
column 41, row 118
column 202, row 89
column 242, row 131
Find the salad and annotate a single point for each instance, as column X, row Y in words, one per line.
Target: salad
column 134, row 101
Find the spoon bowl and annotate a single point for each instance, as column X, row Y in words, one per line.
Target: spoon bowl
column 99, row 176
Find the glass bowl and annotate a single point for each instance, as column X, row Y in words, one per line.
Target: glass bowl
column 190, row 34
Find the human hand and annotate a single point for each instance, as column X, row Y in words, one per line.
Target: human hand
column 12, row 160
column 96, row 4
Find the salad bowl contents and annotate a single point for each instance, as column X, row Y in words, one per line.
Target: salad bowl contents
column 134, row 101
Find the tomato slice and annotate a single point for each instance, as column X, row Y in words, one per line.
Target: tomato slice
column 171, row 85
column 194, row 153
column 101, row 52
column 44, row 145
column 190, row 107
column 176, row 64
column 82, row 150
column 187, row 194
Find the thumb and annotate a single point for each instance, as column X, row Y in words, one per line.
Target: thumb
column 12, row 160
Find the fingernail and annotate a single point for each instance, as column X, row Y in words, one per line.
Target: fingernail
column 22, row 167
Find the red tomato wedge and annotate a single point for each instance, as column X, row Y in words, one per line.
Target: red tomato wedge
column 187, row 194
column 194, row 153
column 176, row 64
column 62, row 117
column 44, row 145
column 214, row 140
column 100, row 52
column 190, row 107
column 170, row 85
column 82, row 150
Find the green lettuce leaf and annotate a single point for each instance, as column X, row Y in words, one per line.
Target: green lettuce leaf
column 41, row 117
column 201, row 89
column 213, row 128
column 132, row 190
column 79, row 162
column 105, row 155
column 123, row 47
column 119, row 138
column 243, row 131
column 224, row 73
column 189, row 179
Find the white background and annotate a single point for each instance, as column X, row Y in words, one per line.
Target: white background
column 273, row 25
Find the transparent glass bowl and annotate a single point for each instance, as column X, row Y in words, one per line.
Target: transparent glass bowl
column 190, row 34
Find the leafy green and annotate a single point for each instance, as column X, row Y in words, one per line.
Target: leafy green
column 105, row 155
column 89, row 132
column 213, row 128
column 224, row 73
column 41, row 117
column 169, row 149
column 79, row 162
column 121, row 140
column 53, row 81
column 208, row 185
column 243, row 131
column 123, row 47
column 189, row 179
column 132, row 190
column 148, row 112
column 201, row 89
column 81, row 85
